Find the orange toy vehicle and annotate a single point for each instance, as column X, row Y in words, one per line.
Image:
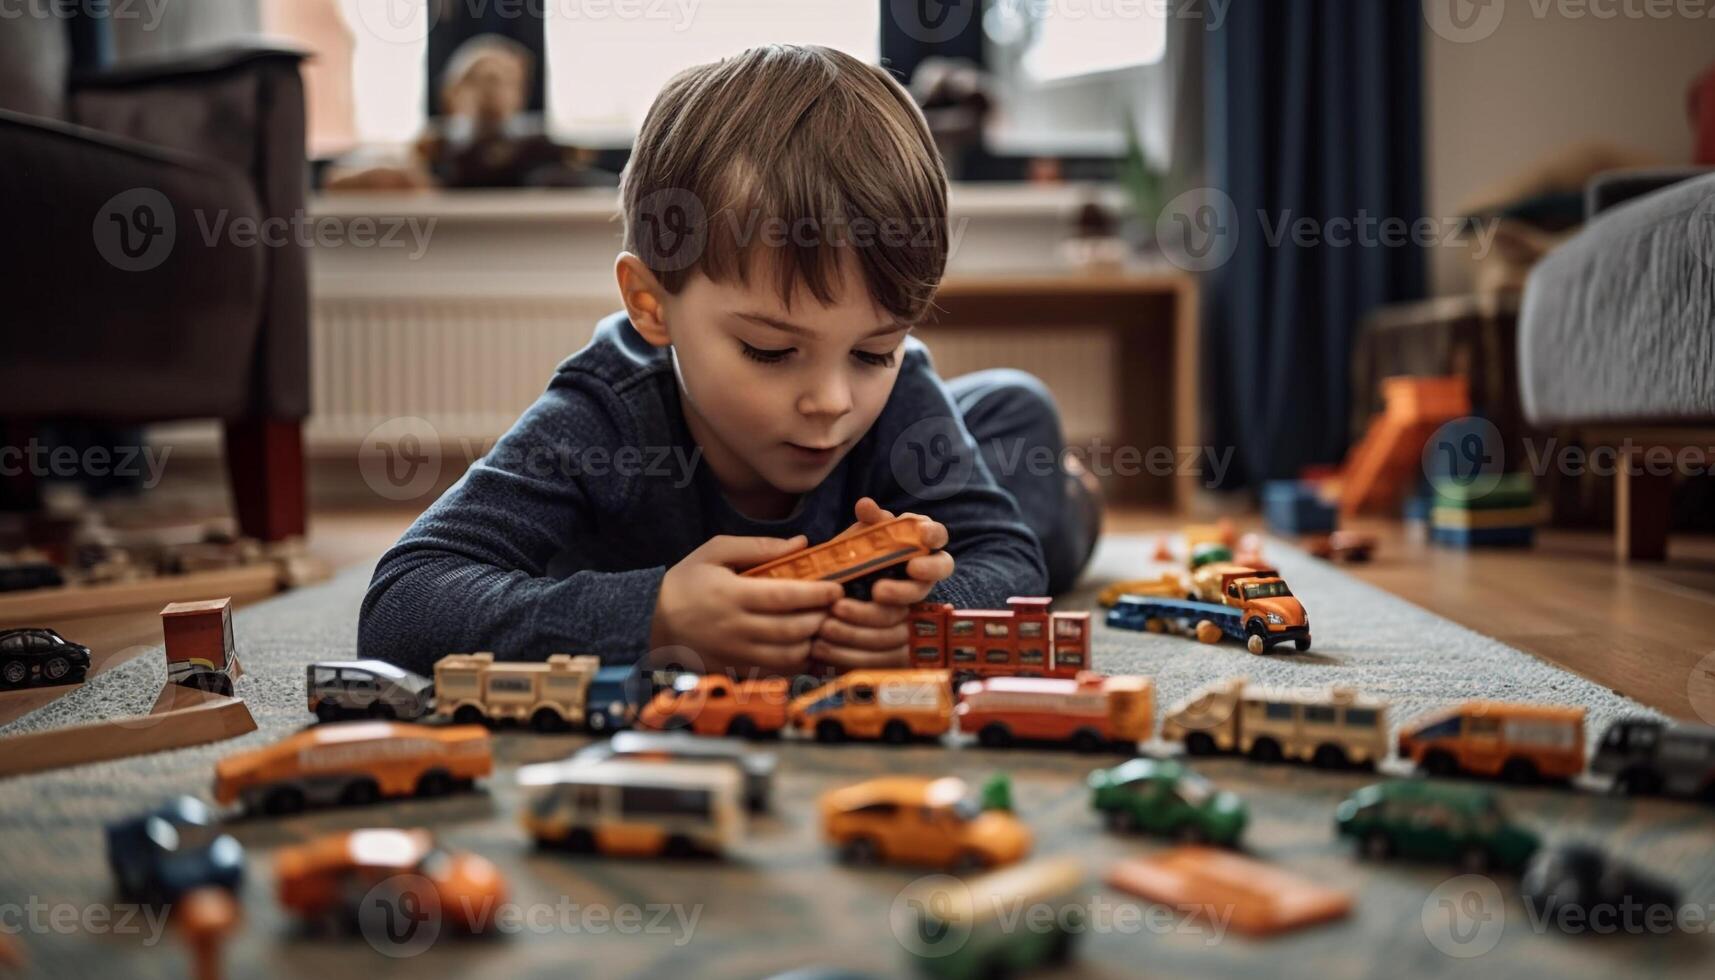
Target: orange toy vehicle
column 1518, row 742
column 1090, row 712
column 325, row 879
column 716, row 704
column 354, row 763
column 914, row 820
column 852, row 556
column 895, row 705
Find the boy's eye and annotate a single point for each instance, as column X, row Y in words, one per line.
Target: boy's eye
column 763, row 354
column 874, row 359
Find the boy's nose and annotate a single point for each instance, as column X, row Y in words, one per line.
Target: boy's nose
column 831, row 397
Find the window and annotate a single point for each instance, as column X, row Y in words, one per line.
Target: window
column 1483, row 727
column 964, row 627
column 863, row 694
column 664, row 800
column 964, row 655
column 997, row 655
column 1275, row 711
column 1068, row 629
column 1030, row 629
column 995, row 629
column 928, row 654
column 603, row 71
column 1031, row 655
column 1318, row 714
column 1361, row 717
column 926, row 627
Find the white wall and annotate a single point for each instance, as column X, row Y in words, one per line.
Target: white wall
column 1498, row 102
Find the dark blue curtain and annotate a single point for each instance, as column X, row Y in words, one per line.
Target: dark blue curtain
column 1313, row 110
column 913, row 30
column 89, row 33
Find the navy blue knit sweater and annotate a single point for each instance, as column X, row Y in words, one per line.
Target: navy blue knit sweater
column 557, row 539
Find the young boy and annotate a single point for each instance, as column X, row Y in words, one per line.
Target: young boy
column 785, row 227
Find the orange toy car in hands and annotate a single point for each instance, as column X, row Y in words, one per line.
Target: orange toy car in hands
column 324, row 880
column 354, row 763
column 716, row 704
column 919, row 821
column 854, row 558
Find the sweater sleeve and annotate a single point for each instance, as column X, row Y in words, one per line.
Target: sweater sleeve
column 930, row 465
column 471, row 573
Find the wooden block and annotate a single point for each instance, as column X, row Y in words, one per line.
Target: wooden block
column 1263, row 899
column 182, row 717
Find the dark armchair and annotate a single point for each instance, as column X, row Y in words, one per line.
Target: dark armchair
column 154, row 266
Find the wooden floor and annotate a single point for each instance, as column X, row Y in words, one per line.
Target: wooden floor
column 1646, row 631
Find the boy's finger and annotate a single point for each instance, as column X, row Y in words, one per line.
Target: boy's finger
column 786, row 595
column 779, row 629
column 862, row 637
column 934, row 533
column 870, row 512
column 741, row 552
column 900, row 592
column 848, row 658
column 930, row 568
column 873, row 614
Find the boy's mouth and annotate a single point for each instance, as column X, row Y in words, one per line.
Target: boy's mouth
column 813, row 454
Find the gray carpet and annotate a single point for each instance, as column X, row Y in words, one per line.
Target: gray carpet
column 779, row 902
column 1365, row 637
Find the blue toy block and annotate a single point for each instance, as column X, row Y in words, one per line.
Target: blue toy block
column 1294, row 507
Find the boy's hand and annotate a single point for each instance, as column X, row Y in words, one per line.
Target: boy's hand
column 873, row 633
column 732, row 621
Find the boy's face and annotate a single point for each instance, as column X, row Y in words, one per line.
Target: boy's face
column 777, row 395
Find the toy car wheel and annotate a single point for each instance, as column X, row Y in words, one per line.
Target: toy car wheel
column 580, row 841
column 1208, row 632
column 860, row 851
column 1200, row 743
column 1377, row 845
column 1086, row 741
column 1637, row 782
column 434, row 783
column 679, row 846
column 1521, row 771
column 1301, row 644
column 969, row 862
column 994, row 736
column 596, row 721
column 14, row 673
column 56, row 668
column 286, row 799
column 470, row 714
column 1330, row 757
column 328, row 711
column 1189, row 833
column 381, row 710
column 1265, row 750
column 1440, row 764
column 1474, row 859
column 742, row 726
column 829, row 730
column 1154, row 624
column 1119, row 820
column 360, row 792
column 896, row 732
column 547, row 720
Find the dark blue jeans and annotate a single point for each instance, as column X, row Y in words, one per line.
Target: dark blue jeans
column 1009, row 413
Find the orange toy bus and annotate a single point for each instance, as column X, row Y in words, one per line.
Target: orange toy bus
column 851, row 556
column 354, row 763
column 895, row 705
column 1025, row 639
column 1517, row 742
column 716, row 704
column 1088, row 713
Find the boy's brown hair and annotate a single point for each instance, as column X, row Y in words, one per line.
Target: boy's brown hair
column 803, row 150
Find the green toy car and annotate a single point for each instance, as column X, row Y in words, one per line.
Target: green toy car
column 1166, row 798
column 1435, row 821
column 1209, row 551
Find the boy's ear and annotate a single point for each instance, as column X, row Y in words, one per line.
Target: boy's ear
column 643, row 297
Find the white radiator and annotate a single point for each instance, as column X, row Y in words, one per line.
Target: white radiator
column 470, row 366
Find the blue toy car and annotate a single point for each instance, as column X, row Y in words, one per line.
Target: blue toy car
column 158, row 856
column 614, row 697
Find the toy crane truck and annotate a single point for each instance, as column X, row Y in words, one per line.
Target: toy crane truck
column 1251, row 605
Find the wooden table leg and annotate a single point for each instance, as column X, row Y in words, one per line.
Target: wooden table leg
column 1643, row 510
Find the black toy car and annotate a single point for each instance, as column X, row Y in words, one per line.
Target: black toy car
column 1602, row 890
column 40, row 658
column 160, row 855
